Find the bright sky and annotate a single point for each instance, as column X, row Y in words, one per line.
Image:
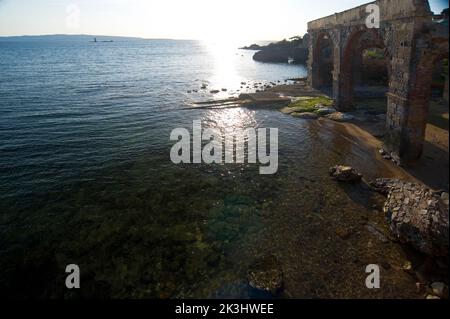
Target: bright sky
column 177, row 19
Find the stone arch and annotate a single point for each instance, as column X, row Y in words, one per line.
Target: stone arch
column 357, row 41
column 324, row 47
column 419, row 97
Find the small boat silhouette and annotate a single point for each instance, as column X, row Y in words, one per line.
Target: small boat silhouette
column 95, row 40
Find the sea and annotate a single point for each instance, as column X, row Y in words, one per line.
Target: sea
column 86, row 178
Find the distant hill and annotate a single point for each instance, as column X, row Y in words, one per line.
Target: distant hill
column 67, row 38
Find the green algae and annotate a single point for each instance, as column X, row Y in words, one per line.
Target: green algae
column 307, row 104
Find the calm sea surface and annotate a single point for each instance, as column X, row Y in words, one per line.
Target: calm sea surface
column 86, row 178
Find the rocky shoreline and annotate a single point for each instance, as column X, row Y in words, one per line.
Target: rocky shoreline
column 418, row 217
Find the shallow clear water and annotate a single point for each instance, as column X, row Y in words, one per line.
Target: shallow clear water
column 86, row 178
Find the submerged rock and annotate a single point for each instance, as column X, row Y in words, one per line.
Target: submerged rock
column 417, row 215
column 439, row 289
column 340, row 117
column 324, row 110
column 345, row 174
column 305, row 115
column 266, row 275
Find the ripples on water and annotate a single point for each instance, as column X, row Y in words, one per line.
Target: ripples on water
column 86, row 178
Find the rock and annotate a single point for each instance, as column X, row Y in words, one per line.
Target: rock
column 305, row 115
column 224, row 90
column 345, row 174
column 281, row 54
column 252, row 47
column 204, row 86
column 382, row 185
column 417, row 215
column 214, row 91
column 188, row 91
column 340, row 117
column 440, row 290
column 385, row 155
column 324, row 110
column 266, row 275
column 407, row 267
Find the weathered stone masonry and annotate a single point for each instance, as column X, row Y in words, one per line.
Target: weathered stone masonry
column 412, row 41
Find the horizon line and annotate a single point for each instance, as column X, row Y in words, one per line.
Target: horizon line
column 118, row 36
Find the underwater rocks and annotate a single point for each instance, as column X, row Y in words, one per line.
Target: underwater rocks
column 324, row 110
column 345, row 174
column 417, row 215
column 340, row 117
column 265, row 275
column 305, row 115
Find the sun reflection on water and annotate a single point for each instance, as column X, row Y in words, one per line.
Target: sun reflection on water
column 225, row 54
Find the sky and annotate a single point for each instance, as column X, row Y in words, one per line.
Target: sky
column 244, row 20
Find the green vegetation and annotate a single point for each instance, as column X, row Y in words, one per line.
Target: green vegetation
column 374, row 53
column 307, row 104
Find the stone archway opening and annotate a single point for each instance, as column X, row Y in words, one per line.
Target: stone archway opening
column 324, row 62
column 429, row 116
column 365, row 84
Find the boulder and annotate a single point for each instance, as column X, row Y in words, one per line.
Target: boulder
column 345, row 174
column 417, row 215
column 266, row 275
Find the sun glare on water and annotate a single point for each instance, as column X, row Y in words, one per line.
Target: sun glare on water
column 225, row 73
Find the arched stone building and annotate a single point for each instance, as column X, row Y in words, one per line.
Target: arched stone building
column 412, row 41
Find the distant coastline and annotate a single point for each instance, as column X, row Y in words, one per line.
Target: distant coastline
column 71, row 37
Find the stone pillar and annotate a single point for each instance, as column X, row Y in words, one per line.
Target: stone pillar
column 342, row 79
column 408, row 97
column 312, row 67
